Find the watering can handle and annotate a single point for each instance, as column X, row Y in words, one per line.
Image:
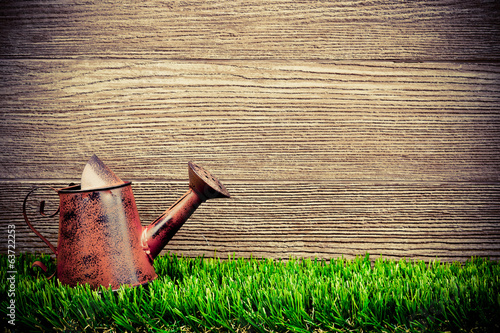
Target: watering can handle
column 42, row 266
column 42, row 205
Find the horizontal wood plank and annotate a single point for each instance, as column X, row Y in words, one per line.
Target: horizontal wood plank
column 339, row 127
column 261, row 120
column 276, row 29
column 449, row 221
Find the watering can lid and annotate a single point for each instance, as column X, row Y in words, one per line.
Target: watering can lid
column 97, row 175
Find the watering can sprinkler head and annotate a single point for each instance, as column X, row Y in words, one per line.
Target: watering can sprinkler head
column 201, row 181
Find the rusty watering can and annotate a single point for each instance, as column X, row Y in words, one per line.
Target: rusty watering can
column 101, row 239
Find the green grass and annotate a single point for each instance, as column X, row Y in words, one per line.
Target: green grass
column 250, row 295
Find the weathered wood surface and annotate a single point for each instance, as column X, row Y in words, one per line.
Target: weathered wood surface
column 253, row 120
column 271, row 29
column 339, row 127
column 311, row 219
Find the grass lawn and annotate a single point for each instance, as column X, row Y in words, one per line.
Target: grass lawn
column 251, row 295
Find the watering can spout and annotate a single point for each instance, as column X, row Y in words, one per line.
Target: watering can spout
column 202, row 186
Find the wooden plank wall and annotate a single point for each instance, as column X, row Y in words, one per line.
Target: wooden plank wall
column 339, row 127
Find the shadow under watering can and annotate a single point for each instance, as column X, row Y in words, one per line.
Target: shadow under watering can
column 101, row 239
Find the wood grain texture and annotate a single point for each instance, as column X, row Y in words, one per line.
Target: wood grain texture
column 339, row 127
column 285, row 120
column 309, row 219
column 276, row 29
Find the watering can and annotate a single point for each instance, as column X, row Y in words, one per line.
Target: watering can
column 101, row 239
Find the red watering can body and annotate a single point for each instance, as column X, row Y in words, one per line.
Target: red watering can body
column 101, row 239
